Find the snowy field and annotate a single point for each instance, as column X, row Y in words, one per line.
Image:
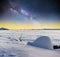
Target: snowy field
column 10, row 45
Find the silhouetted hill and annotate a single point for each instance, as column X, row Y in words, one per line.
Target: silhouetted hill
column 4, row 29
column 51, row 29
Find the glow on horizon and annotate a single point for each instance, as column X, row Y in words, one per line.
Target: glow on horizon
column 29, row 26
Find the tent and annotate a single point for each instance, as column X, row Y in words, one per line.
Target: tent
column 42, row 42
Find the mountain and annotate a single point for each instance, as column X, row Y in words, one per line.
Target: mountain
column 4, row 29
column 51, row 29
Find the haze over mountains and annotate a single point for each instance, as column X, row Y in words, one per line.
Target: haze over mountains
column 3, row 28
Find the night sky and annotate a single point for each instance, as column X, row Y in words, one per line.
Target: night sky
column 38, row 8
column 42, row 7
column 41, row 11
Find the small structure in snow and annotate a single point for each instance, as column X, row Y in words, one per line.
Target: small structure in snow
column 42, row 42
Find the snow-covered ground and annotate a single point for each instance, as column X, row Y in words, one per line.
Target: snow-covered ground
column 10, row 45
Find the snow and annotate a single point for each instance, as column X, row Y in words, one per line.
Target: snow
column 10, row 46
column 42, row 42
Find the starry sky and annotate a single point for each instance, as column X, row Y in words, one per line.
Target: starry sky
column 43, row 8
column 36, row 13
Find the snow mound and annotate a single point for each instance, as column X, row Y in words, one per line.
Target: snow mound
column 42, row 42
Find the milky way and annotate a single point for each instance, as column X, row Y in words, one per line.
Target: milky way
column 47, row 10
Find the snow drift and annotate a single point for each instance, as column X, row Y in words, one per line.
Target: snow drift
column 42, row 42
